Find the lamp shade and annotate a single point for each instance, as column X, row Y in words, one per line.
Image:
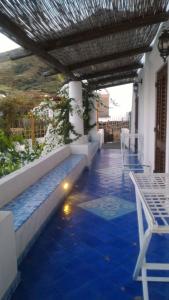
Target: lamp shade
column 163, row 44
column 135, row 87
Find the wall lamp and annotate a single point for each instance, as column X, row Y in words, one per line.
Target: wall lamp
column 136, row 85
column 163, row 44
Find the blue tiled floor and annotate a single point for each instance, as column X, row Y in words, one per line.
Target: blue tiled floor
column 83, row 255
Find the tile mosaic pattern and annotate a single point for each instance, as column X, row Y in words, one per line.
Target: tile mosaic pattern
column 108, row 207
column 26, row 203
column 82, row 256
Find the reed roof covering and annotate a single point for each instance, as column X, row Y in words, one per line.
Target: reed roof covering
column 86, row 39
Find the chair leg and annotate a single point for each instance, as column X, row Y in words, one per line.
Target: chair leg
column 145, row 284
column 142, row 254
column 144, row 240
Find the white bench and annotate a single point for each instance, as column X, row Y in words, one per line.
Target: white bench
column 28, row 197
column 33, row 206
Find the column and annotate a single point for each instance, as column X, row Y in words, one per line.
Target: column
column 75, row 92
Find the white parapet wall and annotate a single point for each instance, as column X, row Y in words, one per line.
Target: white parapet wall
column 88, row 149
column 125, row 137
column 14, row 244
column 15, row 183
column 8, row 259
column 31, row 227
column 101, row 137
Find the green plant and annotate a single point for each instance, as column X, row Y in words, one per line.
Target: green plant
column 5, row 142
column 29, row 153
column 9, row 157
column 20, row 68
column 62, row 124
column 56, row 112
column 89, row 100
column 12, row 156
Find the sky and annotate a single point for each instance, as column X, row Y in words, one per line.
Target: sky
column 6, row 44
column 120, row 94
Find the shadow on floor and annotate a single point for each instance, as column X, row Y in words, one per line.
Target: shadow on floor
column 112, row 145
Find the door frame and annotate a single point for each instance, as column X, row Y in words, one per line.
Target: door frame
column 155, row 130
column 136, row 119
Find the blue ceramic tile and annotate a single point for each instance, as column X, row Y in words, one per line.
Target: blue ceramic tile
column 87, row 252
column 108, row 207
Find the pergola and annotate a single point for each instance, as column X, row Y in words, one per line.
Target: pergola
column 101, row 41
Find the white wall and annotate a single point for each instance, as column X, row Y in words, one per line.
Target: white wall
column 8, row 260
column 141, row 107
column 27, row 232
column 132, row 125
column 15, row 183
column 89, row 150
column 147, row 105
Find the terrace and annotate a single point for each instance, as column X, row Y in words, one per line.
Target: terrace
column 68, row 221
column 89, row 248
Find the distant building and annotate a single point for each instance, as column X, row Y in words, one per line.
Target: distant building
column 103, row 107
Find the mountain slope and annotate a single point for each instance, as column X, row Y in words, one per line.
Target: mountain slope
column 26, row 74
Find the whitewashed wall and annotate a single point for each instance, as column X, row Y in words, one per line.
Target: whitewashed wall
column 132, row 125
column 147, row 105
column 15, row 183
column 8, row 260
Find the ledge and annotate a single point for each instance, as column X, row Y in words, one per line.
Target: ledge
column 15, row 183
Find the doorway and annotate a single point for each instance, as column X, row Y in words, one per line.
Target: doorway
column 161, row 120
column 136, row 121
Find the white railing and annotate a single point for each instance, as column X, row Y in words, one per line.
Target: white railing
column 132, row 150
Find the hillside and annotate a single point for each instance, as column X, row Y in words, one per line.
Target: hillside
column 26, row 74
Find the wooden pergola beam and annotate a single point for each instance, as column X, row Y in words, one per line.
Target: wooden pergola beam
column 100, row 73
column 21, row 53
column 112, row 71
column 99, row 32
column 113, row 78
column 106, row 58
column 14, row 31
column 99, row 87
column 95, row 33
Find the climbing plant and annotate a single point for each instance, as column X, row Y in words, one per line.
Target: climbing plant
column 56, row 112
column 62, row 123
column 90, row 99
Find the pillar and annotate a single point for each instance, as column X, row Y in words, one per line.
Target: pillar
column 75, row 92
